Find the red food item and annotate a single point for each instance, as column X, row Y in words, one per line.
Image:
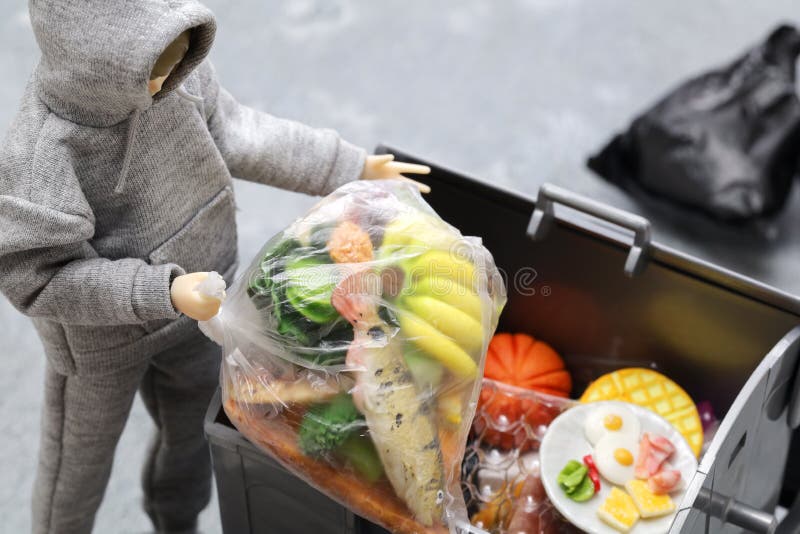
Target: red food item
column 508, row 421
column 594, row 475
column 654, row 450
column 521, row 361
column 533, row 513
column 664, row 481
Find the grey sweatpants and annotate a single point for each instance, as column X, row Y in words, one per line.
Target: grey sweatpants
column 83, row 418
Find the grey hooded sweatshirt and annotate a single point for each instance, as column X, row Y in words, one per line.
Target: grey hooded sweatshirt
column 107, row 193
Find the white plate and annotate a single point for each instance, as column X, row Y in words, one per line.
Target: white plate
column 564, row 441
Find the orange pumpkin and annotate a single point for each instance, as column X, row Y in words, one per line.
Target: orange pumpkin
column 510, row 421
column 522, row 361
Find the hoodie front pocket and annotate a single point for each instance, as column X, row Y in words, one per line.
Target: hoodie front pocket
column 90, row 344
column 207, row 242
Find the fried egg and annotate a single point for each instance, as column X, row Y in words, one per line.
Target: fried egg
column 615, row 456
column 611, row 419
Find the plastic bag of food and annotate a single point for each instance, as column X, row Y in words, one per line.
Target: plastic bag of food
column 354, row 346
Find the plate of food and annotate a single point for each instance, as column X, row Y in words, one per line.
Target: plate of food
column 613, row 467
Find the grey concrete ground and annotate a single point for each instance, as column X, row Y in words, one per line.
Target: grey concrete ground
column 516, row 92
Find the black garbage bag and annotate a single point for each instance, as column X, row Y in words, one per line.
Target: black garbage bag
column 726, row 142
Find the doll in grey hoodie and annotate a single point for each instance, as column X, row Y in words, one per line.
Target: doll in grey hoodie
column 115, row 199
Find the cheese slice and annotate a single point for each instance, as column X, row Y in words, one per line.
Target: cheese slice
column 619, row 510
column 648, row 503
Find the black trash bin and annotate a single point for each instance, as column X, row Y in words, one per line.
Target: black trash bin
column 589, row 279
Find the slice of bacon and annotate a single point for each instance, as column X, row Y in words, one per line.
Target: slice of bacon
column 654, row 450
column 664, row 481
column 661, row 443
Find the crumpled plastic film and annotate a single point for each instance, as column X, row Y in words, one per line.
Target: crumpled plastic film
column 500, row 474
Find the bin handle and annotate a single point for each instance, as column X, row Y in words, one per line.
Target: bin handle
column 734, row 512
column 550, row 194
column 752, row 519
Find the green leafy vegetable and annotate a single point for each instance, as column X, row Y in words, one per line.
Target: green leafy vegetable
column 326, row 426
column 290, row 322
column 272, row 263
column 334, row 428
column 309, row 285
column 583, row 492
column 575, row 482
column 572, row 474
column 292, row 290
column 331, row 347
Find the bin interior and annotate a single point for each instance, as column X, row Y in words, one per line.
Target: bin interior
column 706, row 328
column 570, row 290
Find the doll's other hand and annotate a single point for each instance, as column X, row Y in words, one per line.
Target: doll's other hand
column 384, row 166
column 189, row 301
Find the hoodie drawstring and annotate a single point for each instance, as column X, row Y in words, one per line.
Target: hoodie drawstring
column 133, row 126
column 183, row 93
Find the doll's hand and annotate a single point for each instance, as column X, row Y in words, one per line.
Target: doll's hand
column 189, row 301
column 382, row 167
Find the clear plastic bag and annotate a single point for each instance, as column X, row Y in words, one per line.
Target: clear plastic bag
column 354, row 346
column 500, row 472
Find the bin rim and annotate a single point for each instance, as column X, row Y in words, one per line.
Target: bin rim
column 657, row 252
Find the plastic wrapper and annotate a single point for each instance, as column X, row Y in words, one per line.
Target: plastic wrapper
column 354, row 346
column 500, row 471
column 724, row 142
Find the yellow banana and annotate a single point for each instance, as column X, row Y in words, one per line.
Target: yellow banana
column 449, row 291
column 409, row 229
column 437, row 345
column 448, row 320
column 441, row 264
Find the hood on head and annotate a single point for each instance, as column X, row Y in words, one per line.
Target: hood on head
column 97, row 55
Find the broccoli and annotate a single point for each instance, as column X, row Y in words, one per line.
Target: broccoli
column 333, row 428
column 325, row 426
